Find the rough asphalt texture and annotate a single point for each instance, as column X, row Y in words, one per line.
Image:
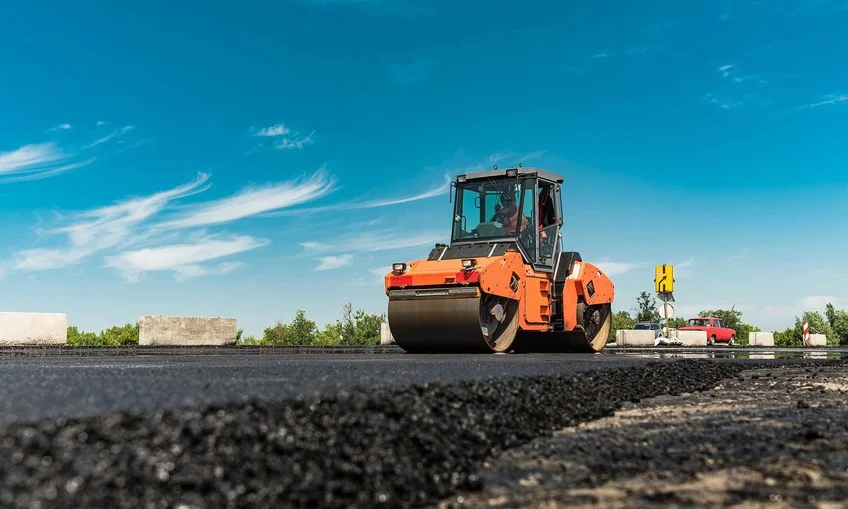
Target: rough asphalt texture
column 768, row 437
column 37, row 388
column 380, row 447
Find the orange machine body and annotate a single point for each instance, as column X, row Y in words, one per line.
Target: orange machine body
column 508, row 276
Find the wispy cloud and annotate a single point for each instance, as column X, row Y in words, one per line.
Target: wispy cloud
column 334, row 262
column 438, row 190
column 373, row 241
column 830, row 101
column 729, row 72
column 113, row 134
column 286, row 139
column 721, row 102
column 251, row 201
column 60, row 127
column 687, row 263
column 36, row 161
column 412, row 74
column 295, row 142
column 101, row 228
column 274, row 130
column 601, row 54
column 184, row 259
column 100, row 123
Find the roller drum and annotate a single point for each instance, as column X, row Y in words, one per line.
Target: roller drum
column 438, row 321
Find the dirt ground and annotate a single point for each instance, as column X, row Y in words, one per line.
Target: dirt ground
column 766, row 438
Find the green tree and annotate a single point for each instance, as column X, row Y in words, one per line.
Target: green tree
column 79, row 338
column 677, row 322
column 838, row 321
column 359, row 328
column 794, row 336
column 276, row 335
column 123, row 335
column 330, row 336
column 620, row 320
column 646, row 309
column 301, row 329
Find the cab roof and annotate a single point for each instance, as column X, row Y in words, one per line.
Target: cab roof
column 522, row 171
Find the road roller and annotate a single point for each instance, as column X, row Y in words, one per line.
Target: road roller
column 503, row 284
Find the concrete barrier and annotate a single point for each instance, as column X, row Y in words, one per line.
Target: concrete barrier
column 386, row 337
column 33, row 328
column 186, row 331
column 761, row 339
column 818, row 340
column 634, row 338
column 690, row 337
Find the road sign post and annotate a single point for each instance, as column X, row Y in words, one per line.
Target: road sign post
column 664, row 286
column 806, row 326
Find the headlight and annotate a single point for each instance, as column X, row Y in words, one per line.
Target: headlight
column 468, row 264
column 399, row 267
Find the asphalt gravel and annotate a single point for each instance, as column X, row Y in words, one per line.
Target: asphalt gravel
column 379, row 447
column 769, row 437
column 51, row 387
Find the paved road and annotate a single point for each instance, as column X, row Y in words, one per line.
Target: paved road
column 45, row 387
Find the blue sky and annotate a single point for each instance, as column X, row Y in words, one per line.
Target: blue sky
column 223, row 159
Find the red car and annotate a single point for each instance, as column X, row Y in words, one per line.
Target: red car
column 716, row 331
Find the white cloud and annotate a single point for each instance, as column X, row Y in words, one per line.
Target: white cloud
column 36, row 161
column 602, row 54
column 297, row 142
column 118, row 132
column 383, row 202
column 334, row 262
column 254, row 200
column 721, row 103
column 100, row 123
column 274, row 130
column 60, row 127
column 436, row 191
column 818, row 302
column 832, row 99
column 102, row 228
column 182, row 258
column 29, row 157
column 285, row 142
column 615, row 268
column 688, row 262
column 377, row 241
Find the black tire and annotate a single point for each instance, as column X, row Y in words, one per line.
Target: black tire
column 711, row 341
column 732, row 340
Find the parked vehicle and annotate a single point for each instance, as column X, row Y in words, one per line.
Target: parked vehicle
column 715, row 329
column 649, row 326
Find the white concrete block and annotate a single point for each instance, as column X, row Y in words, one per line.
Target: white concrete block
column 635, row 338
column 33, row 328
column 619, row 333
column 761, row 339
column 186, row 331
column 818, row 340
column 386, row 337
column 691, row 337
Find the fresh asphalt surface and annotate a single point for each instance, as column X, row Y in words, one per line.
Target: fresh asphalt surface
column 393, row 444
column 71, row 387
column 38, row 387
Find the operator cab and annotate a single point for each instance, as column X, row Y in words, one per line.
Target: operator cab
column 518, row 206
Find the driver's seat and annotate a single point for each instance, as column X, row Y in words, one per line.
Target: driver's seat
column 489, row 230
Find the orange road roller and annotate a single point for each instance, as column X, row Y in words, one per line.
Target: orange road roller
column 503, row 284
